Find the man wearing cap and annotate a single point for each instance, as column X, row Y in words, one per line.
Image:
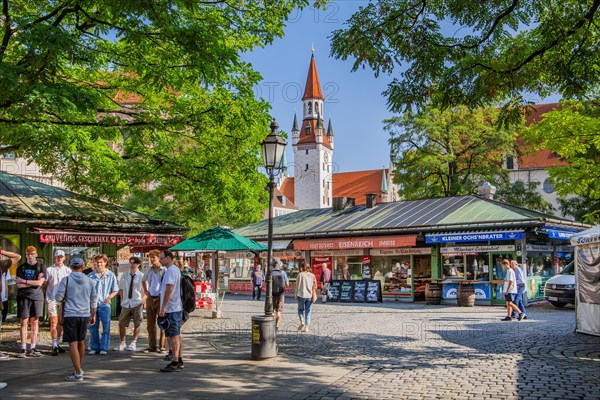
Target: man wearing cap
column 81, row 300
column 132, row 298
column 7, row 260
column 280, row 282
column 56, row 273
column 30, row 278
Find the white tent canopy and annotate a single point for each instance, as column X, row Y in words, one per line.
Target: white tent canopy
column 587, row 279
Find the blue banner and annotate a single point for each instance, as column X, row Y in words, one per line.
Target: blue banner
column 562, row 235
column 473, row 237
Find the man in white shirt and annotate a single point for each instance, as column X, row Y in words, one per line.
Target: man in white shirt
column 510, row 291
column 132, row 303
column 56, row 273
column 171, row 309
column 151, row 283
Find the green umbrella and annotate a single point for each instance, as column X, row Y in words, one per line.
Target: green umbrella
column 218, row 239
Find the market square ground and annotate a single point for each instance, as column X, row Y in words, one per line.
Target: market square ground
column 372, row 351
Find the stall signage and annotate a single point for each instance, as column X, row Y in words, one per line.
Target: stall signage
column 537, row 247
column 562, row 235
column 475, row 249
column 367, row 242
column 399, row 252
column 119, row 239
column 339, row 253
column 473, row 237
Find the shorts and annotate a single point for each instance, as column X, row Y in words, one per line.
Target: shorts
column 174, row 328
column 27, row 308
column 127, row 313
column 74, row 329
column 53, row 306
column 278, row 300
column 510, row 297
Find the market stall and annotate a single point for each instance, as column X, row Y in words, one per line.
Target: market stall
column 587, row 280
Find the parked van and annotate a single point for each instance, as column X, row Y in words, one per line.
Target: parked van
column 560, row 289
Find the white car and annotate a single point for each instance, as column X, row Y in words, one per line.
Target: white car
column 560, row 289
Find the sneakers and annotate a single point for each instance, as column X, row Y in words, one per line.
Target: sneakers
column 180, row 364
column 506, row 319
column 22, row 354
column 120, row 347
column 54, row 351
column 60, row 349
column 3, row 356
column 150, row 350
column 92, row 352
column 300, row 327
column 103, row 353
column 520, row 317
column 74, row 377
column 305, row 329
column 131, row 346
column 169, row 357
column 34, row 353
column 161, row 350
column 170, row 368
column 525, row 316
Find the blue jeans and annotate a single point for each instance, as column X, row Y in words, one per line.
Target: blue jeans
column 102, row 317
column 304, row 309
column 519, row 299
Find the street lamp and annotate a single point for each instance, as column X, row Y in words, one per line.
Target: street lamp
column 273, row 147
column 263, row 326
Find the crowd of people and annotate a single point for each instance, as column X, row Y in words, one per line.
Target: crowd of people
column 79, row 301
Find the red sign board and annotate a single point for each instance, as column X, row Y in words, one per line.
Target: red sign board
column 317, row 266
column 368, row 242
column 64, row 237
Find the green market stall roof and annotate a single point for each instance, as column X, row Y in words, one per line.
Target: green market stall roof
column 49, row 210
column 406, row 217
column 218, row 239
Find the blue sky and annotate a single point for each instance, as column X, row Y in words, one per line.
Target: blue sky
column 353, row 100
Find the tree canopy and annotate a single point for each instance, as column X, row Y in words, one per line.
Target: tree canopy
column 476, row 53
column 118, row 96
column 448, row 153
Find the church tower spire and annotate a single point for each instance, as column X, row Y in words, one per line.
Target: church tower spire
column 313, row 149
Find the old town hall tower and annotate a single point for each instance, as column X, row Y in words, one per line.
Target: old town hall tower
column 313, row 148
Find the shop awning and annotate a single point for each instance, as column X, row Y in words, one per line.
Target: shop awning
column 559, row 234
column 464, row 237
column 119, row 238
column 277, row 244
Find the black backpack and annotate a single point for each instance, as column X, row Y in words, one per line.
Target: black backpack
column 278, row 282
column 188, row 293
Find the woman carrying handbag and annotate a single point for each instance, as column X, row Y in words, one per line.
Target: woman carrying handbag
column 306, row 295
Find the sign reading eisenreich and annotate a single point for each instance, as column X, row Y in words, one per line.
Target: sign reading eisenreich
column 367, row 242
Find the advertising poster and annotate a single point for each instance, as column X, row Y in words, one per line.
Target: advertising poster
column 317, row 267
column 366, row 267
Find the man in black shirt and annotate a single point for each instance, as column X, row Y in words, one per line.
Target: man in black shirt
column 30, row 299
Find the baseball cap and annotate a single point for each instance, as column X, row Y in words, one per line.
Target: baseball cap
column 76, row 262
column 59, row 253
column 163, row 323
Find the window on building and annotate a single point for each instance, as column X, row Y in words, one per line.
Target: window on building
column 510, row 163
column 310, row 108
column 548, row 187
column 308, row 130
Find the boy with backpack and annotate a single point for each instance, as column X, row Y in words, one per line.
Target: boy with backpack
column 280, row 282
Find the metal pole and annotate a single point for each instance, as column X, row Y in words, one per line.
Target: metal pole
column 269, row 277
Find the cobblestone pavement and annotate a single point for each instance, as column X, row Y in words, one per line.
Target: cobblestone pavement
column 392, row 350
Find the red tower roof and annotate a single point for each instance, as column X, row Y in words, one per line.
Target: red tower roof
column 312, row 90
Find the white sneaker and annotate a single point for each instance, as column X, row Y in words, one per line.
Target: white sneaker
column 120, row 347
column 103, row 353
column 131, row 346
column 300, row 327
column 305, row 328
column 92, row 352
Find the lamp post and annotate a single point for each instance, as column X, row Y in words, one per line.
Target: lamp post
column 263, row 327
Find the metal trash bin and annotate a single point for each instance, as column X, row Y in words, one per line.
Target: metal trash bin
column 263, row 337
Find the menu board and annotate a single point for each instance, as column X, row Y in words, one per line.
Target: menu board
column 346, row 290
column 334, row 288
column 360, row 288
column 374, row 291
